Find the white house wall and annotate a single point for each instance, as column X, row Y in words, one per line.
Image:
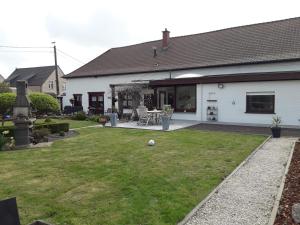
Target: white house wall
column 101, row 84
column 231, row 101
column 287, row 98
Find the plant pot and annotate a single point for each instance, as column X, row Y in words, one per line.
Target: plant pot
column 113, row 119
column 165, row 121
column 276, row 132
column 102, row 121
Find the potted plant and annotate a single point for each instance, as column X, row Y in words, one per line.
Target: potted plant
column 275, row 128
column 166, row 117
column 113, row 117
column 103, row 120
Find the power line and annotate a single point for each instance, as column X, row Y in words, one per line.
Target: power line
column 72, row 57
column 11, row 46
column 24, row 51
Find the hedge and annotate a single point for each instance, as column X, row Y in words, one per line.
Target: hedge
column 53, row 127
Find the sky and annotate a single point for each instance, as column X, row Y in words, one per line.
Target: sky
column 85, row 29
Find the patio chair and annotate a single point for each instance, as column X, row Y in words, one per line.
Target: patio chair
column 9, row 214
column 144, row 117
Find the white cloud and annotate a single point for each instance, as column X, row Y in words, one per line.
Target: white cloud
column 85, row 29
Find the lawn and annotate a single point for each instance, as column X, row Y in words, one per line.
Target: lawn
column 110, row 176
column 73, row 123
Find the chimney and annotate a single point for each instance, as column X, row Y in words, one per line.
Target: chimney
column 165, row 40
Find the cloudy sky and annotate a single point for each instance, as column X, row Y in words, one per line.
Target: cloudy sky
column 85, row 29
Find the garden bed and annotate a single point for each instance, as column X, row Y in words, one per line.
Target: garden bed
column 291, row 191
column 57, row 136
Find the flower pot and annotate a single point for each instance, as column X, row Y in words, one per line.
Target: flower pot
column 165, row 121
column 276, row 132
column 113, row 119
column 102, row 121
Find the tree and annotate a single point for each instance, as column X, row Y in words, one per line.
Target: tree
column 44, row 103
column 7, row 101
column 4, row 88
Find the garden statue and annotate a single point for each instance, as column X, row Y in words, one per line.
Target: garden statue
column 21, row 115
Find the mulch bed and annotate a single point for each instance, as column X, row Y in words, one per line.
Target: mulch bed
column 291, row 191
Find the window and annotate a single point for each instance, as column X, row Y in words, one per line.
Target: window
column 260, row 102
column 51, row 84
column 77, row 99
column 127, row 101
column 186, row 98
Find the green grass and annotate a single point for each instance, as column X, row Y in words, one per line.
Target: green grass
column 73, row 123
column 110, row 175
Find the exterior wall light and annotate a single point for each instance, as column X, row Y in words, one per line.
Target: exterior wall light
column 220, row 86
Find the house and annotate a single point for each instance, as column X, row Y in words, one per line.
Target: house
column 1, row 78
column 242, row 75
column 40, row 79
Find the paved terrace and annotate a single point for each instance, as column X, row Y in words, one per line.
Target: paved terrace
column 247, row 129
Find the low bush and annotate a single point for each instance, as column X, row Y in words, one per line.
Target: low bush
column 10, row 129
column 40, row 135
column 53, row 127
column 94, row 118
column 79, row 116
column 48, row 120
column 62, row 133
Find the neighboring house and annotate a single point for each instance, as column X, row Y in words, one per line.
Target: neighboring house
column 40, row 79
column 245, row 74
column 1, row 78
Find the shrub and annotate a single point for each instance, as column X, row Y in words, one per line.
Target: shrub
column 53, row 127
column 6, row 141
column 94, row 118
column 48, row 120
column 79, row 116
column 4, row 88
column 7, row 101
column 11, row 130
column 62, row 133
column 2, row 141
column 40, row 135
column 41, row 102
column 44, row 103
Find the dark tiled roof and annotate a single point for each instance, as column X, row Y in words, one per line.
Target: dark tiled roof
column 35, row 76
column 264, row 42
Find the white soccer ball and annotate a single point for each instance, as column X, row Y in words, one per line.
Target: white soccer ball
column 151, row 142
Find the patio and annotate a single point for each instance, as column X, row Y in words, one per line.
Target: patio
column 174, row 125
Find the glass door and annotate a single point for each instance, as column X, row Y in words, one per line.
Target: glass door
column 96, row 102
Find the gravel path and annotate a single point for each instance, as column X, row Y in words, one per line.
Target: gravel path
column 247, row 197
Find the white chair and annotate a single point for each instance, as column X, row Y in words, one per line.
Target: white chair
column 144, row 117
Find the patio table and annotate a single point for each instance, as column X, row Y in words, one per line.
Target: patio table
column 154, row 114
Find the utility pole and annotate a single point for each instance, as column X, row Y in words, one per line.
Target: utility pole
column 56, row 69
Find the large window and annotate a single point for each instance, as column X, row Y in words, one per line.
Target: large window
column 186, row 98
column 260, row 103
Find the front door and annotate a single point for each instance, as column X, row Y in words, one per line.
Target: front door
column 96, row 102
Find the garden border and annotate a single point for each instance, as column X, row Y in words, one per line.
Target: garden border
column 280, row 190
column 197, row 207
